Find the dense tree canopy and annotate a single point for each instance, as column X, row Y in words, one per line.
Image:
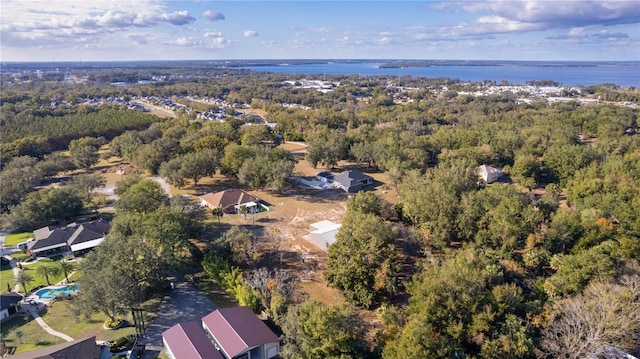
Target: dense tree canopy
column 362, row 262
column 314, row 331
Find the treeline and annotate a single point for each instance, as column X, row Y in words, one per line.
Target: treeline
column 37, row 136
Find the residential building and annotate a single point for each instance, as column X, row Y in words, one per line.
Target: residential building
column 78, row 349
column 75, row 238
column 231, row 200
column 352, row 181
column 9, row 304
column 225, row 333
column 188, row 340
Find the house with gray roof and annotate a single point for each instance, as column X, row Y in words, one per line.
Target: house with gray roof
column 76, row 238
column 352, row 181
column 85, row 348
column 9, row 304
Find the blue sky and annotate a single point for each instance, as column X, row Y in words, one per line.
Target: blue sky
column 96, row 30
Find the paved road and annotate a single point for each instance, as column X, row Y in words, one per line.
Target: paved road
column 186, row 303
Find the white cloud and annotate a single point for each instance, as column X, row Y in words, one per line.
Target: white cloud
column 31, row 23
column 504, row 16
column 250, row 33
column 384, row 40
column 212, row 34
column 219, row 43
column 212, row 15
column 185, row 42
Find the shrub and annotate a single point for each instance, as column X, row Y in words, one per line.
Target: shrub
column 113, row 323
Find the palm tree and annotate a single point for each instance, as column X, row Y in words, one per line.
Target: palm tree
column 243, row 210
column 217, row 212
column 66, row 267
column 47, row 270
column 23, row 278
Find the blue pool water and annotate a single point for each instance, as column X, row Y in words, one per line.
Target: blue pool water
column 53, row 292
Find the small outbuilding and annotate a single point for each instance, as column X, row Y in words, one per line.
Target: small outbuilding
column 488, row 174
column 323, row 234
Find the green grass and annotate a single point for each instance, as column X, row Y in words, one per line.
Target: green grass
column 61, row 317
column 33, row 336
column 13, row 239
column 6, row 276
column 40, row 281
column 20, row 256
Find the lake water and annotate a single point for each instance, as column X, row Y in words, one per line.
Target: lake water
column 622, row 75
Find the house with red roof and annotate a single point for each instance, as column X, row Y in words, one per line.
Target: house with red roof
column 189, row 340
column 233, row 333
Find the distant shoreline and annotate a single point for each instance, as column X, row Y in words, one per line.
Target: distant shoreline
column 382, row 63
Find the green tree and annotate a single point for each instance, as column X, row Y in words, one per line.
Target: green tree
column 24, row 278
column 51, row 205
column 365, row 202
column 327, row 147
column 86, row 183
column 362, row 261
column 125, row 268
column 234, row 156
column 460, row 303
column 173, row 172
column 84, row 151
column 18, row 178
column 565, row 160
column 142, row 197
column 313, row 331
column 432, row 201
column 573, row 272
column 47, row 270
column 196, row 165
column 237, row 243
column 66, row 267
column 217, row 212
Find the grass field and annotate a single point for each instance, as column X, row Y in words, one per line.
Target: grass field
column 13, row 239
column 24, row 333
column 61, row 317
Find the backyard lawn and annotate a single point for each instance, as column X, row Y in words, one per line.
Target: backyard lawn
column 61, row 317
column 38, row 281
column 24, row 333
column 6, row 277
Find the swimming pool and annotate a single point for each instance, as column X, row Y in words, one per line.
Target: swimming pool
column 56, row 291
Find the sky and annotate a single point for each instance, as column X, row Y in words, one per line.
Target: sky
column 115, row 30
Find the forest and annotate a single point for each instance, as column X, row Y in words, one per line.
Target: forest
column 541, row 264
